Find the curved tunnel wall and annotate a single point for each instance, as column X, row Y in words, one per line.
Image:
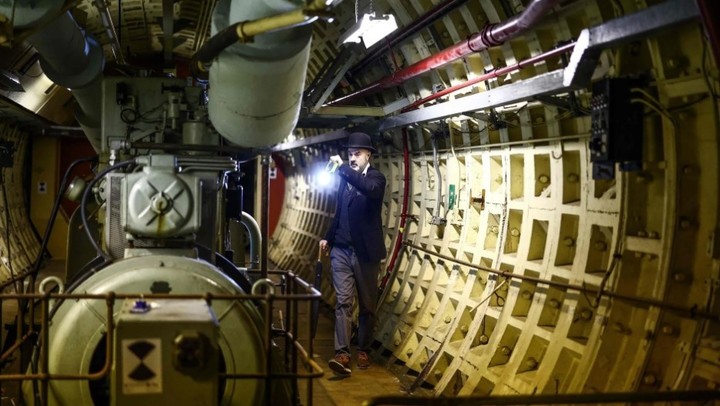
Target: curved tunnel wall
column 645, row 233
column 22, row 242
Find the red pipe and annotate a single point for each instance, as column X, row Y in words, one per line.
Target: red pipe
column 403, row 213
column 399, row 35
column 493, row 74
column 709, row 11
column 491, row 35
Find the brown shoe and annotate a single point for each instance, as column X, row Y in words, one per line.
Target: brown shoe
column 363, row 361
column 340, row 364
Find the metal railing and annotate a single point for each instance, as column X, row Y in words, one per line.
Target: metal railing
column 286, row 289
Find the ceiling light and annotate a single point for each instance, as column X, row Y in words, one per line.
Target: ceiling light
column 370, row 29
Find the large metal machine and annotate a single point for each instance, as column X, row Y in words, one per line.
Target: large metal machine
column 156, row 314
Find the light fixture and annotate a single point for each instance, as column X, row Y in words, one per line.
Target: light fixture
column 371, row 28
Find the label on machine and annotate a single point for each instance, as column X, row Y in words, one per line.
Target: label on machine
column 142, row 366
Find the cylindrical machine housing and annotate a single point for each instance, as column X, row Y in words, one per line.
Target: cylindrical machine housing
column 83, row 322
column 256, row 88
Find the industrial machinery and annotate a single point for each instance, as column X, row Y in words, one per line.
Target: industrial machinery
column 156, row 314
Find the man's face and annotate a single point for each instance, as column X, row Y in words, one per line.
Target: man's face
column 359, row 158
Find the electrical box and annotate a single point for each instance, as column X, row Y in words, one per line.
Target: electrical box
column 166, row 353
column 617, row 123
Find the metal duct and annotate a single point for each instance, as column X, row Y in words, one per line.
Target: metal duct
column 256, row 88
column 73, row 60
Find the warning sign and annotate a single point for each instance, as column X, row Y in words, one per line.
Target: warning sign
column 142, row 366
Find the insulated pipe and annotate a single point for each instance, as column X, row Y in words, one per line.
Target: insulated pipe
column 255, row 238
column 256, row 88
column 75, row 61
column 491, row 35
column 403, row 33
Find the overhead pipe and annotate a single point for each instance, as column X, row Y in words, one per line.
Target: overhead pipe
column 403, row 33
column 491, row 35
column 75, row 61
column 490, row 75
column 256, row 87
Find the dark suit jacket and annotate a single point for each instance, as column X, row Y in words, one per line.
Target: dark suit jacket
column 364, row 209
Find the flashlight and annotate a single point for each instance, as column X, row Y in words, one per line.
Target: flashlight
column 331, row 167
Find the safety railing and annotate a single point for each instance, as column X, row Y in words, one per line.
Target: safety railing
column 282, row 289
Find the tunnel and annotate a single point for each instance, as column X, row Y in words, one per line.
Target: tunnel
column 550, row 216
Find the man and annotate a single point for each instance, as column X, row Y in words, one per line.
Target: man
column 358, row 246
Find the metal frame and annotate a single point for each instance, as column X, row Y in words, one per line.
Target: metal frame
column 293, row 292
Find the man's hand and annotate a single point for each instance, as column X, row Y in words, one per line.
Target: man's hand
column 324, row 246
column 336, row 160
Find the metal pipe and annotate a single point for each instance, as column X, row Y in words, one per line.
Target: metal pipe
column 694, row 312
column 102, row 8
column 491, row 35
column 255, row 238
column 709, row 12
column 403, row 33
column 74, row 60
column 490, row 75
column 403, row 212
column 265, row 210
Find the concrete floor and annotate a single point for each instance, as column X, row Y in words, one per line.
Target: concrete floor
column 361, row 386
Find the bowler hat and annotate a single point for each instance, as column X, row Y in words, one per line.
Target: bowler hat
column 360, row 140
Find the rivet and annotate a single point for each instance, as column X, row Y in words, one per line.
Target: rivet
column 448, row 319
column 531, row 363
column 668, row 329
column 643, row 178
column 396, row 342
column 484, row 339
column 652, row 234
column 586, row 314
column 544, row 179
column 418, row 305
column 618, row 327
column 394, row 293
column 649, row 379
column 409, row 352
column 679, row 277
column 687, row 169
column 514, row 232
column 423, row 363
column 405, row 299
column 505, row 350
column 526, row 294
column 433, row 311
column 642, row 233
column 685, row 223
column 573, row 178
column 569, row 241
column 464, row 329
column 499, row 179
column 438, row 374
column 600, row 245
column 494, row 229
column 554, row 303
